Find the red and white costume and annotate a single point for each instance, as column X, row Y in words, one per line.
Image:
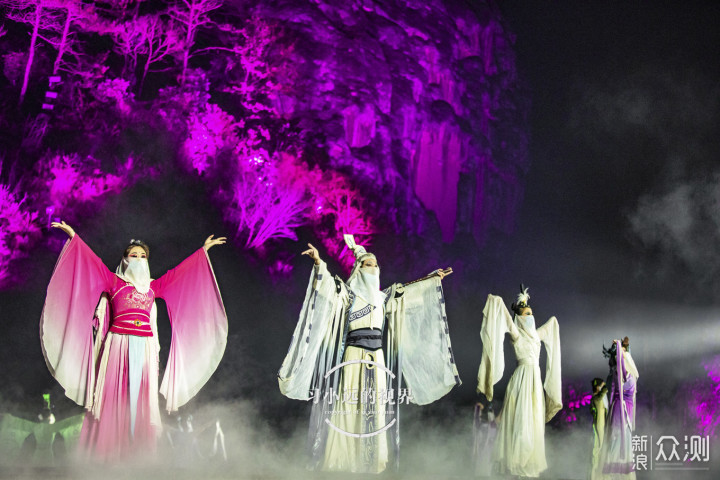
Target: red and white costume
column 113, row 371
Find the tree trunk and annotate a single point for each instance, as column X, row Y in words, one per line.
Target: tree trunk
column 63, row 42
column 31, row 52
column 146, row 69
column 189, row 40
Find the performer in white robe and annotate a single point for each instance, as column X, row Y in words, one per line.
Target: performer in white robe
column 336, row 358
column 520, row 444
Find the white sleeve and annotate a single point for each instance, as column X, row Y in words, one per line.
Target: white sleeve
column 496, row 323
column 550, row 335
column 316, row 331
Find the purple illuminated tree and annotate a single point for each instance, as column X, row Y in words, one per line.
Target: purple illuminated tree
column 259, row 68
column 40, row 15
column 160, row 42
column 119, row 8
column 17, row 229
column 338, row 200
column 70, row 179
column 209, row 132
column 265, row 205
column 192, row 15
column 129, row 42
column 70, row 13
column 151, row 36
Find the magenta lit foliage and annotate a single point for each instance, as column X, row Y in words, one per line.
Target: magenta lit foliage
column 71, row 179
column 271, row 197
column 209, row 132
column 18, row 228
column 266, row 204
column 337, row 201
column 61, row 186
column 574, row 400
column 116, row 91
column 705, row 402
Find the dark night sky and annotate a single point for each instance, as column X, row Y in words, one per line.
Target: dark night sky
column 624, row 104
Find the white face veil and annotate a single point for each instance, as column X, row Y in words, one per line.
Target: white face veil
column 365, row 283
column 135, row 271
column 526, row 322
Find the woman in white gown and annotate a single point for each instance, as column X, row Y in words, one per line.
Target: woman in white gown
column 520, row 444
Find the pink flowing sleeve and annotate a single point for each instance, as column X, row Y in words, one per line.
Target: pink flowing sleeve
column 199, row 327
column 66, row 323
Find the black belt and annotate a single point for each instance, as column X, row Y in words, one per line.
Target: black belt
column 367, row 338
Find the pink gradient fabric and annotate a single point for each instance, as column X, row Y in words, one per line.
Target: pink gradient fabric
column 199, row 327
column 107, row 438
column 98, row 378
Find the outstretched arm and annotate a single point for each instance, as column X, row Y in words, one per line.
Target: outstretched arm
column 64, row 227
column 211, row 242
column 312, row 253
column 443, row 272
column 495, row 324
column 66, row 335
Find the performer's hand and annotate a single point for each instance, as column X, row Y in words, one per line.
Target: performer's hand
column 211, row 242
column 64, row 227
column 312, row 253
column 444, row 273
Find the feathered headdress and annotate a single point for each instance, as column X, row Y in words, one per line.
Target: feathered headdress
column 522, row 299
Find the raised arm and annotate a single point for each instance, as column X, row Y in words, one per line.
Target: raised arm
column 211, row 242
column 64, row 227
column 167, row 281
column 312, row 252
column 199, row 325
column 102, row 276
column 66, row 322
column 496, row 322
column 317, row 334
column 322, row 274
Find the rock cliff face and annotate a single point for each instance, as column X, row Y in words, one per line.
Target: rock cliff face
column 400, row 121
column 419, row 101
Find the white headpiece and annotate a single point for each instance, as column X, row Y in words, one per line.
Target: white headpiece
column 523, row 297
column 364, row 284
column 359, row 252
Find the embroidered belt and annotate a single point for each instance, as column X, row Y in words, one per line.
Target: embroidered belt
column 137, row 324
column 367, row 338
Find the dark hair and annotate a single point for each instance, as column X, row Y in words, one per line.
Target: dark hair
column 137, row 243
column 518, row 307
column 595, row 382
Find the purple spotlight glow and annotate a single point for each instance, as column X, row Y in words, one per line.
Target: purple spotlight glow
column 705, row 402
column 18, row 227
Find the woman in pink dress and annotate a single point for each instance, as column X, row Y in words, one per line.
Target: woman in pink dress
column 106, row 354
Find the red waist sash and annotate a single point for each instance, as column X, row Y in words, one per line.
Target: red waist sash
column 132, row 322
